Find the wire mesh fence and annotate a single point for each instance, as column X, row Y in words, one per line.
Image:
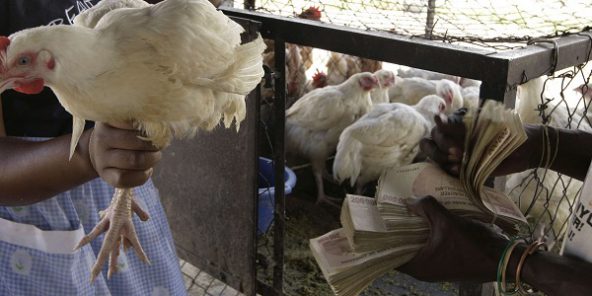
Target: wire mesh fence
column 546, row 197
column 478, row 22
column 560, row 100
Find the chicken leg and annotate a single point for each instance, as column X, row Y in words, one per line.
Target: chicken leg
column 116, row 221
column 318, row 167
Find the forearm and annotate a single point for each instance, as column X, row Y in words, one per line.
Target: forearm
column 553, row 274
column 33, row 171
column 569, row 152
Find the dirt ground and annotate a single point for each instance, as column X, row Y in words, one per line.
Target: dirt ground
column 305, row 220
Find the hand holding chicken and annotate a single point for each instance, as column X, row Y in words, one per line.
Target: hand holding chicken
column 171, row 69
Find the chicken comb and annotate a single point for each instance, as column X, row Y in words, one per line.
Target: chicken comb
column 311, row 13
column 318, row 75
column 319, row 79
column 4, row 42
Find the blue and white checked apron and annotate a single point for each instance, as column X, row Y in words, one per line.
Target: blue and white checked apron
column 36, row 243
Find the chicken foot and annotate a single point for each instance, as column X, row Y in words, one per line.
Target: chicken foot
column 321, row 196
column 116, row 221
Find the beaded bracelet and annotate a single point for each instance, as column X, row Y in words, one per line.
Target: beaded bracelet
column 502, row 266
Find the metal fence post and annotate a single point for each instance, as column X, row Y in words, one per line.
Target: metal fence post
column 430, row 19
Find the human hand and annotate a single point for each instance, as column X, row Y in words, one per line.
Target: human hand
column 458, row 249
column 121, row 158
column 446, row 147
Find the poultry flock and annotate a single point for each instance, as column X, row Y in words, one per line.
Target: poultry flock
column 369, row 132
column 361, row 113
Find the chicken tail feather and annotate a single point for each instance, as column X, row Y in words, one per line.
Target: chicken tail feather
column 347, row 163
column 243, row 75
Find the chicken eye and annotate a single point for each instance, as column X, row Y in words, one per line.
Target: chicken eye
column 23, row 61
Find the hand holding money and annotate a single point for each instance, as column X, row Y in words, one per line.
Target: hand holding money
column 473, row 242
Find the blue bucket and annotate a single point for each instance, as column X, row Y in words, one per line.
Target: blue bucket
column 266, row 204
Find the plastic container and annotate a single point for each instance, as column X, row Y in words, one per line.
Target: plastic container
column 266, row 203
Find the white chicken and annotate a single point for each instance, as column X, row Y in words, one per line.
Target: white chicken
column 470, row 96
column 430, row 75
column 386, row 79
column 426, row 74
column 411, row 90
column 314, row 123
column 388, row 136
column 171, row 68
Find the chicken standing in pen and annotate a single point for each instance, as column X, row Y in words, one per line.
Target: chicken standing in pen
column 386, row 79
column 386, row 137
column 314, row 123
column 171, row 68
column 411, row 90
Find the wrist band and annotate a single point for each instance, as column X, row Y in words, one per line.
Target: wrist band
column 502, row 266
column 533, row 247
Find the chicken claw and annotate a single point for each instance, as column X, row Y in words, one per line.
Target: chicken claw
column 116, row 221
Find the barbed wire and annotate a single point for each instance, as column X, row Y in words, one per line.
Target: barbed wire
column 490, row 23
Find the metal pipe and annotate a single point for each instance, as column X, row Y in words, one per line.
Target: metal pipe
column 430, row 19
column 279, row 160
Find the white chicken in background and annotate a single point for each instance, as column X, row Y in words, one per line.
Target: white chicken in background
column 388, row 136
column 315, row 121
column 426, row 74
column 411, row 90
column 467, row 82
column 171, row 68
column 545, row 194
column 386, row 79
column 470, row 96
column 430, row 75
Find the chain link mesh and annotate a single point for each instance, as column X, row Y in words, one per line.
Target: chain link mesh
column 547, row 198
column 559, row 100
column 485, row 23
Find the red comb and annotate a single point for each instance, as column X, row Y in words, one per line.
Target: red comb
column 319, row 79
column 311, row 13
column 4, row 42
column 318, row 75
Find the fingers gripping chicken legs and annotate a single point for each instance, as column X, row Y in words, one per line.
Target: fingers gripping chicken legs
column 116, row 221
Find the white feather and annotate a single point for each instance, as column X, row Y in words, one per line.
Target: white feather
column 172, row 68
column 386, row 137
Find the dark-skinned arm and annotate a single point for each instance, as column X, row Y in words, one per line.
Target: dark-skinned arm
column 572, row 158
column 34, row 171
column 459, row 249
